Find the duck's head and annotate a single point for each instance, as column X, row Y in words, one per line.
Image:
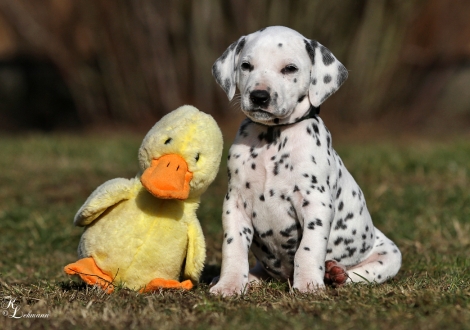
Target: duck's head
column 180, row 155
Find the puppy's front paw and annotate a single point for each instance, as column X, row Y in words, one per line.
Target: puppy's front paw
column 228, row 288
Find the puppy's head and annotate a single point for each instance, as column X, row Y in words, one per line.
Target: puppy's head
column 279, row 74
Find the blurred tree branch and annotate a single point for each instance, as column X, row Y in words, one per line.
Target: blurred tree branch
column 133, row 61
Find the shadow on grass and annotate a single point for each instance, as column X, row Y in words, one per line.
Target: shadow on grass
column 72, row 286
column 209, row 272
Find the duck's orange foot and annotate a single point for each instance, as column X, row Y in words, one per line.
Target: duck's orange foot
column 90, row 273
column 161, row 283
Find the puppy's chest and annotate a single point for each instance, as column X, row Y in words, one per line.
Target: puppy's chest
column 272, row 170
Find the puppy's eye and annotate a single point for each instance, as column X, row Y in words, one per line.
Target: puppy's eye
column 289, row 68
column 246, row 66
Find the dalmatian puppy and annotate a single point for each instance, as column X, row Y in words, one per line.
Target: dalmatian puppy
column 290, row 198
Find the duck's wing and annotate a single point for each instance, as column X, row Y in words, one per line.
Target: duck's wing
column 105, row 196
column 196, row 253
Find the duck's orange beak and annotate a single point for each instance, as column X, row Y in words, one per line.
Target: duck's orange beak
column 167, row 177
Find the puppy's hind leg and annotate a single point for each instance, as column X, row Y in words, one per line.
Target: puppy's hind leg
column 382, row 264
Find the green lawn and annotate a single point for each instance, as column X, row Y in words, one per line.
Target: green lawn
column 418, row 194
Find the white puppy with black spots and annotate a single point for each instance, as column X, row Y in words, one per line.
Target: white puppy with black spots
column 290, row 198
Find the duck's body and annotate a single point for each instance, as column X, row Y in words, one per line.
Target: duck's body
column 145, row 238
column 144, row 233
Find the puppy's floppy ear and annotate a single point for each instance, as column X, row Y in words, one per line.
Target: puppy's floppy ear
column 225, row 70
column 326, row 75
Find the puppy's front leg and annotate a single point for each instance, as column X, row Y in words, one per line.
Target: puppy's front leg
column 238, row 235
column 309, row 261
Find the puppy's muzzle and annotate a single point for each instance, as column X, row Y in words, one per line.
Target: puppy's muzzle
column 260, row 98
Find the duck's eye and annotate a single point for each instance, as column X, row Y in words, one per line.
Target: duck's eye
column 246, row 66
column 197, row 157
column 168, row 140
column 289, row 68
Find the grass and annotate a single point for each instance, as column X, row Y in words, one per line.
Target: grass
column 418, row 194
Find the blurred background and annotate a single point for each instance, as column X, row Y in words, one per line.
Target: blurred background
column 106, row 64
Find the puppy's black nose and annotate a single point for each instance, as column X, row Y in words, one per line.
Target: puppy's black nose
column 260, row 97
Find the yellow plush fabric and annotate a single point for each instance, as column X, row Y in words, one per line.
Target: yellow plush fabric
column 139, row 233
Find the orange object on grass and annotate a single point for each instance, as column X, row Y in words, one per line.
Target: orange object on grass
column 167, row 177
column 87, row 269
column 161, row 283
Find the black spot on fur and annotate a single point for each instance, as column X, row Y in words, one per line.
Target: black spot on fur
column 351, row 251
column 287, row 246
column 240, row 45
column 340, row 206
column 310, row 46
column 338, row 241
column 327, row 56
column 343, row 74
column 242, row 130
column 338, row 193
column 292, row 240
column 340, row 225
column 327, row 79
column 267, row 233
column 265, row 249
column 270, row 135
column 286, row 232
column 313, row 224
column 314, row 179
column 348, row 241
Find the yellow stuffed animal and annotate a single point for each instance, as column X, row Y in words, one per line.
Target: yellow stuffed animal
column 144, row 232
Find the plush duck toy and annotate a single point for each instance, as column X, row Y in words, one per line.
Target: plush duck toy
column 143, row 232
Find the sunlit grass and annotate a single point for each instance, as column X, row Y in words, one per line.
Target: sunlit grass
column 418, row 194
